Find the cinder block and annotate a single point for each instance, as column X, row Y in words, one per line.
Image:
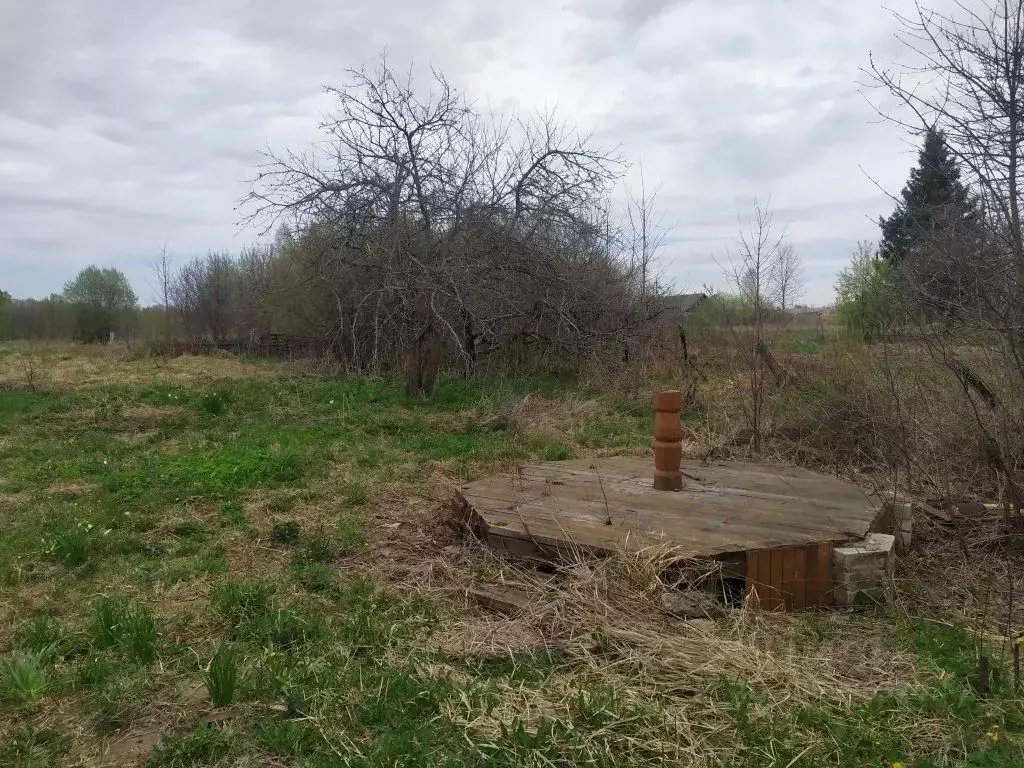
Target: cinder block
column 862, row 572
column 903, row 524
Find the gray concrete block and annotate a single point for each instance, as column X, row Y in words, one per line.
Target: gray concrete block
column 862, row 572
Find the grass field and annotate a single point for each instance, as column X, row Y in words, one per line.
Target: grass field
column 209, row 561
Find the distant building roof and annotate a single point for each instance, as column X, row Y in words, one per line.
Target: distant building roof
column 684, row 302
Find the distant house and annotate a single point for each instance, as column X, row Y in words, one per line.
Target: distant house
column 677, row 307
column 684, row 303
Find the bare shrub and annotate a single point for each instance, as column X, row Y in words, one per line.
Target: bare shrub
column 421, row 221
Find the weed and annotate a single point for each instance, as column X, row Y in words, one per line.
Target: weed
column 243, row 602
column 48, row 635
column 117, row 624
column 281, row 504
column 285, row 533
column 73, row 545
column 139, row 636
column 221, row 676
column 319, row 550
column 952, row 650
column 214, row 403
column 355, row 494
column 233, row 513
column 314, row 576
column 286, row 737
column 351, row 536
column 108, row 616
column 285, row 629
column 190, row 530
column 199, row 747
column 556, row 452
column 28, row 747
column 119, row 698
column 22, row 679
column 96, row 670
column 213, row 562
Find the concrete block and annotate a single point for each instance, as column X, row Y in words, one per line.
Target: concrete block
column 862, row 572
column 903, row 524
column 690, row 604
column 896, row 517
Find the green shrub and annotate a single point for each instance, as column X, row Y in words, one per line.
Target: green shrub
column 867, row 296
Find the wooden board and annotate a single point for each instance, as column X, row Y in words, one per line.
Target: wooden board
column 789, row 578
column 609, row 505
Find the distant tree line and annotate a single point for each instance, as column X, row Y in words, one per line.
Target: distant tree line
column 96, row 305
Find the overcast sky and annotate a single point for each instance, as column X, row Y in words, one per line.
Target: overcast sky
column 125, row 125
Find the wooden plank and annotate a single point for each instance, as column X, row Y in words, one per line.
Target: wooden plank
column 501, row 599
column 699, row 544
column 821, row 500
column 752, row 577
column 776, row 478
column 689, row 502
column 819, row 573
column 586, row 523
column 776, row 599
column 682, row 515
column 794, row 577
column 609, row 505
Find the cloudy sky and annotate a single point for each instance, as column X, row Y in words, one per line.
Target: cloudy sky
column 126, row 125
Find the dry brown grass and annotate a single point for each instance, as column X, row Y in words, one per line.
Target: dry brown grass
column 39, row 365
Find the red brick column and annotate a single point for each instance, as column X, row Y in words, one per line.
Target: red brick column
column 668, row 434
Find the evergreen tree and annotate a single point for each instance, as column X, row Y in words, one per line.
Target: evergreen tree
column 932, row 191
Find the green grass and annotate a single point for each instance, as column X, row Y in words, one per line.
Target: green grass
column 130, row 629
column 200, row 747
column 23, row 679
column 30, row 747
column 221, row 676
column 219, row 536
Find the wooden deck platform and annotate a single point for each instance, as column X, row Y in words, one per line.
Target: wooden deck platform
column 608, row 504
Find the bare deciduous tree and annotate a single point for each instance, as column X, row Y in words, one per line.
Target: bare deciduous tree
column 754, row 270
column 647, row 232
column 422, row 220
column 790, row 280
column 163, row 278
